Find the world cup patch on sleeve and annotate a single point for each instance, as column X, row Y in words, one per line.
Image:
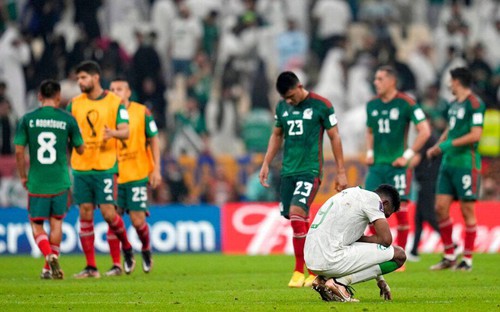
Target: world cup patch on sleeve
column 152, row 126
column 124, row 114
column 419, row 114
column 333, row 119
column 477, row 119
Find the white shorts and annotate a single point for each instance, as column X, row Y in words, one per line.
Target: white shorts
column 355, row 258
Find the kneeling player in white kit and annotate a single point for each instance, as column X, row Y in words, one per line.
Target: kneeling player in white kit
column 337, row 250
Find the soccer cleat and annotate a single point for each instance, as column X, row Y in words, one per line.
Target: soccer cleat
column 128, row 261
column 46, row 274
column 53, row 261
column 114, row 271
column 88, row 272
column 308, row 282
column 463, row 266
column 319, row 285
column 443, row 264
column 297, row 280
column 385, row 290
column 147, row 261
column 341, row 292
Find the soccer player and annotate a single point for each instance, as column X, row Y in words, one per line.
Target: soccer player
column 47, row 132
column 301, row 119
column 134, row 168
column 103, row 121
column 388, row 155
column 460, row 167
column 338, row 251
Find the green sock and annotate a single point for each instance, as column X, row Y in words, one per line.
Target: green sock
column 388, row 266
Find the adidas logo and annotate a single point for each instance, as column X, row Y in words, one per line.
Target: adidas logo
column 143, row 205
column 303, row 200
column 285, row 114
column 109, row 197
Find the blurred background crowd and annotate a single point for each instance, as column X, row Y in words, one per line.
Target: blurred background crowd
column 206, row 69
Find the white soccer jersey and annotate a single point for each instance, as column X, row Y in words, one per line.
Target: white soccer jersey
column 340, row 222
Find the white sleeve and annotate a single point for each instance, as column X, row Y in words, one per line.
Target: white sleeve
column 373, row 208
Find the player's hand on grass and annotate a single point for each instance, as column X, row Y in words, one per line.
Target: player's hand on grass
column 385, row 290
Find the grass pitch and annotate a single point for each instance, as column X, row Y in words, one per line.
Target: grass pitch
column 215, row 282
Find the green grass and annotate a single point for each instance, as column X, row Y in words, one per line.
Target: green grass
column 215, row 282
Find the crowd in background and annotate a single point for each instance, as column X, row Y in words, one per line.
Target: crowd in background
column 206, row 68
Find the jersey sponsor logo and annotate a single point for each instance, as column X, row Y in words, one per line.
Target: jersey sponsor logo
column 477, row 119
column 152, row 126
column 124, row 114
column 296, row 113
column 419, row 114
column 308, row 113
column 285, row 114
column 333, row 119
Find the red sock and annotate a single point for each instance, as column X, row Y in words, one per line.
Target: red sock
column 55, row 249
column 87, row 240
column 299, row 226
column 446, row 229
column 470, row 238
column 403, row 226
column 118, row 228
column 43, row 243
column 114, row 247
column 143, row 233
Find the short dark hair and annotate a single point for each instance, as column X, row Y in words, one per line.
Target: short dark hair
column 463, row 75
column 49, row 88
column 286, row 81
column 390, row 192
column 90, row 67
column 120, row 78
column 391, row 71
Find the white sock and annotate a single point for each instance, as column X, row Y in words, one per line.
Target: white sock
column 361, row 276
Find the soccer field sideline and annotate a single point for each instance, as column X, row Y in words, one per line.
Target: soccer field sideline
column 217, row 282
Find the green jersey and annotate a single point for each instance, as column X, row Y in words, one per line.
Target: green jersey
column 389, row 123
column 461, row 118
column 303, row 129
column 47, row 131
